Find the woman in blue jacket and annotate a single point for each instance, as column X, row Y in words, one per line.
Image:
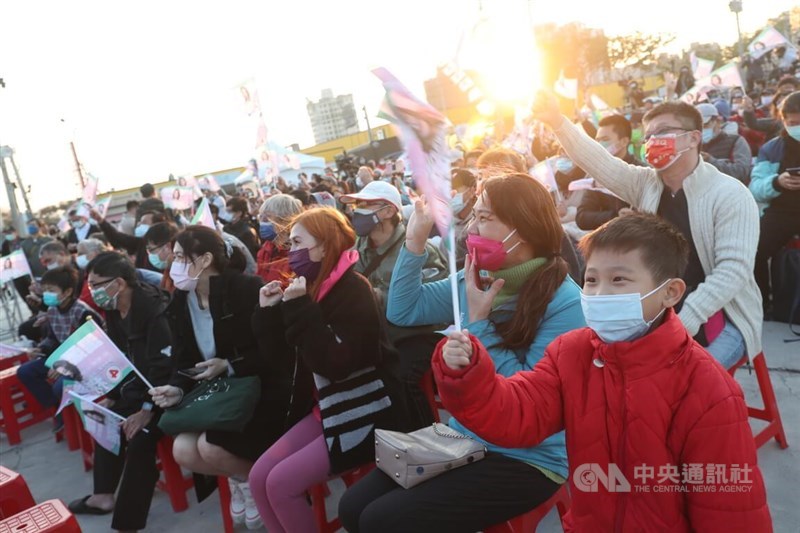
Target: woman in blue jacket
column 516, row 297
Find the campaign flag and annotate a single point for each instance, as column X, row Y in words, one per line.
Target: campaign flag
column 767, row 40
column 701, row 67
column 203, row 216
column 101, row 423
column 249, row 97
column 190, row 181
column 101, row 206
column 13, row 266
column 422, row 130
column 727, row 75
column 543, row 172
column 91, row 361
column 566, row 87
column 90, row 189
column 588, row 184
column 208, row 182
column 178, row 198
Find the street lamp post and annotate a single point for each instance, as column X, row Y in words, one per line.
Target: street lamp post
column 736, row 7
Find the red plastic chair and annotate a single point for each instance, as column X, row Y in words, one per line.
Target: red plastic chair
column 175, row 484
column 318, row 494
column 225, row 503
column 18, row 407
column 51, row 516
column 528, row 522
column 770, row 412
column 15, row 496
column 72, row 428
column 13, row 360
column 428, row 386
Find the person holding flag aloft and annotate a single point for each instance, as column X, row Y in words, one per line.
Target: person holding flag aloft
column 516, row 296
column 137, row 325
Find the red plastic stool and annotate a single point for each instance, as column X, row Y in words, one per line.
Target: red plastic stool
column 51, row 516
column 770, row 412
column 72, row 428
column 14, row 494
column 317, row 494
column 9, row 361
column 86, row 443
column 529, row 521
column 225, row 503
column 17, row 416
column 175, row 484
column 428, row 387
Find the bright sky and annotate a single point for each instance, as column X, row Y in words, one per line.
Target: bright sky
column 148, row 89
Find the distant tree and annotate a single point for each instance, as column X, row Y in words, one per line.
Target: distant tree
column 637, row 49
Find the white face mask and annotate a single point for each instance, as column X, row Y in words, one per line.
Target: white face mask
column 82, row 261
column 179, row 272
column 618, row 317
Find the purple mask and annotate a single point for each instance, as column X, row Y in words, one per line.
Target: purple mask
column 302, row 265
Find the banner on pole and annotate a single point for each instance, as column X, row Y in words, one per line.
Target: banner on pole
column 13, row 266
column 101, row 423
column 178, row 198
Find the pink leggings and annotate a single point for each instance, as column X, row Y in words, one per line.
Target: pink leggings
column 282, row 475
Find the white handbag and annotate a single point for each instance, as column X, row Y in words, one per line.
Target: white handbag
column 411, row 458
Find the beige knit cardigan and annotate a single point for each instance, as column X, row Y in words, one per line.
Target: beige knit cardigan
column 724, row 221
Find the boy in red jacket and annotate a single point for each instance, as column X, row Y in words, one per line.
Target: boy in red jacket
column 657, row 432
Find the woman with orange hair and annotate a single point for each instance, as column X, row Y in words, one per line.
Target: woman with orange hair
column 328, row 324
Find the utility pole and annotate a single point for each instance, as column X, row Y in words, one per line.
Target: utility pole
column 736, row 7
column 19, row 184
column 16, row 219
column 77, row 164
column 369, row 133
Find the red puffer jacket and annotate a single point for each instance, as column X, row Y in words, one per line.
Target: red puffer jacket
column 649, row 407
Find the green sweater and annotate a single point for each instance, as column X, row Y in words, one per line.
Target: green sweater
column 515, row 278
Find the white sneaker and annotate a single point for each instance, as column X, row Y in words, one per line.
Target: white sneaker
column 237, row 502
column 251, row 517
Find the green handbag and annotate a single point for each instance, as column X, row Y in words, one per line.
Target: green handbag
column 223, row 404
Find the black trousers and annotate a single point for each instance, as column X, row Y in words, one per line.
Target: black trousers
column 415, row 359
column 776, row 230
column 134, row 471
column 467, row 499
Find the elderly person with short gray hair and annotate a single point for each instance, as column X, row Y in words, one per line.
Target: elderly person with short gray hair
column 274, row 216
column 88, row 249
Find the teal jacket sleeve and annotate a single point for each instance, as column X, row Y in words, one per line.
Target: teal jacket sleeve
column 762, row 178
column 562, row 315
column 413, row 303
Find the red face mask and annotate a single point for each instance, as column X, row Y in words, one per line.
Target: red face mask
column 660, row 150
column 488, row 254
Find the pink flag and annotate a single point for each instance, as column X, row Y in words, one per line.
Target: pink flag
column 179, row 198
column 208, row 182
column 767, row 40
column 422, row 131
column 543, row 172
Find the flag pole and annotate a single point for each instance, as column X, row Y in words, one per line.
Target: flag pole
column 451, row 260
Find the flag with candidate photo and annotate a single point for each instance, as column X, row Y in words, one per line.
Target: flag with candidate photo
column 101, row 423
column 91, row 360
column 767, row 40
column 13, row 266
column 101, row 206
column 423, row 134
column 178, row 198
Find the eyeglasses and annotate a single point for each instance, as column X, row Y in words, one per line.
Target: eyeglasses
column 665, row 131
column 99, row 283
column 154, row 249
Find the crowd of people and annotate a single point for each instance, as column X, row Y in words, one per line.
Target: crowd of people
column 599, row 322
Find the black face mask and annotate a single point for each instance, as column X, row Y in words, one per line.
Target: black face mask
column 364, row 221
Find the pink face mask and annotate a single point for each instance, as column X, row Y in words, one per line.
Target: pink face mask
column 488, row 254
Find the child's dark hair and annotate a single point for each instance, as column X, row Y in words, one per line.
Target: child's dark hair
column 664, row 250
column 65, row 277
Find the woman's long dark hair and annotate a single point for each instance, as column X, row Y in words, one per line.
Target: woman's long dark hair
column 523, row 203
column 198, row 240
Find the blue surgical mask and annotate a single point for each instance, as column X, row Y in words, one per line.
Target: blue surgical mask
column 563, row 165
column 457, row 203
column 82, row 261
column 33, row 230
column 618, row 317
column 266, row 231
column 794, row 132
column 50, row 299
column 156, row 261
column 141, row 230
column 79, row 224
column 708, row 134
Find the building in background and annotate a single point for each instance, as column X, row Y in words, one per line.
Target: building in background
column 332, row 116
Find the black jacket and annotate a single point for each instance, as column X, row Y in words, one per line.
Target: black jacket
column 243, row 231
column 144, row 337
column 597, row 207
column 135, row 246
column 334, row 339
